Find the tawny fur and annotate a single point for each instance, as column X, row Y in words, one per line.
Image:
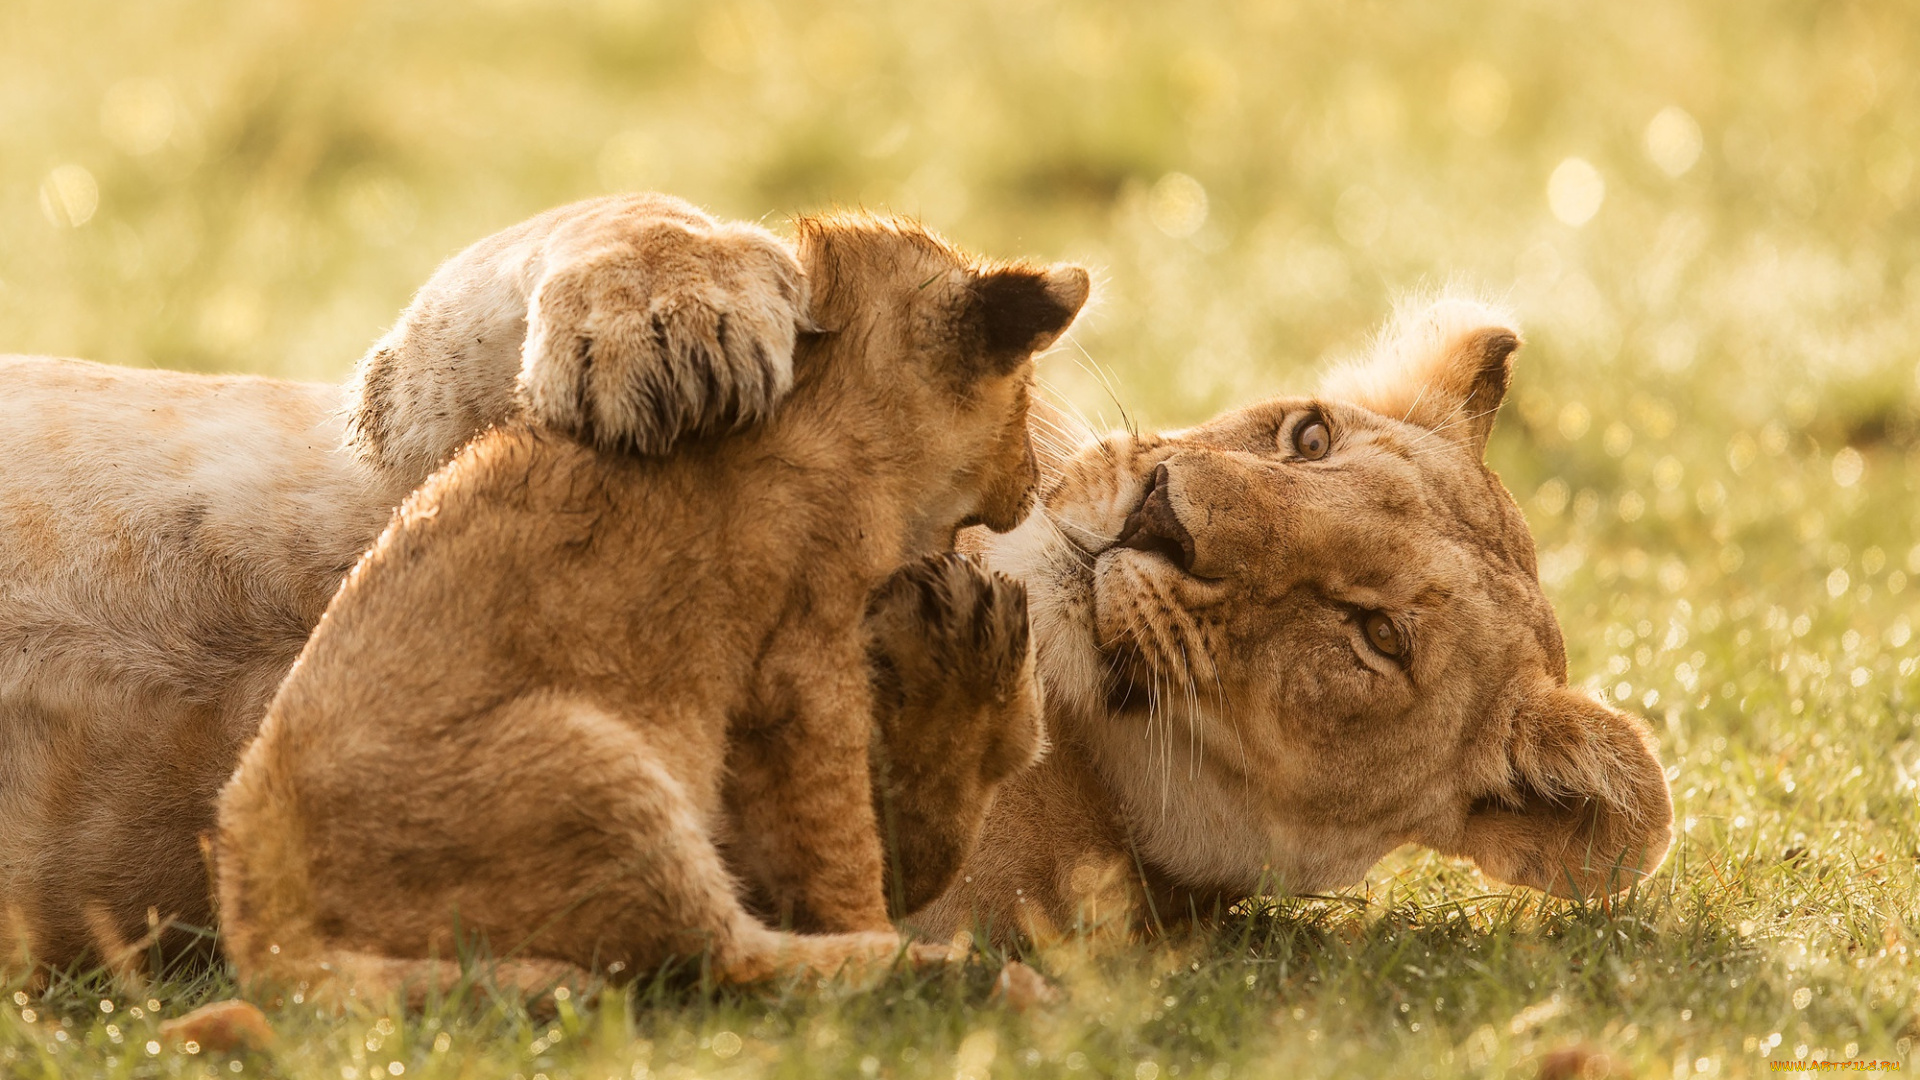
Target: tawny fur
column 649, row 321
column 1222, row 726
column 526, row 713
column 168, row 541
column 959, row 709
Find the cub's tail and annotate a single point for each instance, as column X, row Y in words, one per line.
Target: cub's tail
column 341, row 976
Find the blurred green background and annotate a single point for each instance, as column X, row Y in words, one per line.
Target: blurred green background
column 259, row 186
column 1706, row 214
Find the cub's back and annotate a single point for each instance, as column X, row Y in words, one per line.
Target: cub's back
column 533, row 561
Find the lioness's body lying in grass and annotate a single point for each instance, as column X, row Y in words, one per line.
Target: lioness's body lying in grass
column 521, row 714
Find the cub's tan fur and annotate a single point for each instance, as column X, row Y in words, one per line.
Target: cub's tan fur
column 1222, row 725
column 168, row 541
column 528, row 711
column 959, row 708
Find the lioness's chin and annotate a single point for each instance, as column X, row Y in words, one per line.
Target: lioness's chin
column 1059, row 580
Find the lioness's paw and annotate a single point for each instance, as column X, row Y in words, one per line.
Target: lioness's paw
column 672, row 329
column 954, row 638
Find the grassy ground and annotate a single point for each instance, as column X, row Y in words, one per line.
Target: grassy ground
column 1704, row 213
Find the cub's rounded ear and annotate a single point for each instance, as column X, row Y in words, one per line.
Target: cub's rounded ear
column 1015, row 311
column 1444, row 366
column 1583, row 810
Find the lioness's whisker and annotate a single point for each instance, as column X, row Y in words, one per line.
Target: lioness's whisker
column 1060, row 525
column 1447, row 421
column 1064, row 407
column 1415, row 403
column 1410, row 452
column 1092, row 367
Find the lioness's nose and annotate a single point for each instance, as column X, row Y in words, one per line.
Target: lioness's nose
column 1156, row 527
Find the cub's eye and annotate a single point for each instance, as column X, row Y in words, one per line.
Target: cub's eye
column 1312, row 440
column 1383, row 635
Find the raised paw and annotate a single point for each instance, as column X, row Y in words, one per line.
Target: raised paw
column 948, row 630
column 958, row 711
column 658, row 329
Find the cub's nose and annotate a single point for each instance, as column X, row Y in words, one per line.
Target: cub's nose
column 1155, row 527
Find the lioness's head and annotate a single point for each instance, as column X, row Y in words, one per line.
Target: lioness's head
column 1312, row 629
column 963, row 332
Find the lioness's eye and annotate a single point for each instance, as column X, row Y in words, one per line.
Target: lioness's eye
column 1312, row 440
column 1382, row 634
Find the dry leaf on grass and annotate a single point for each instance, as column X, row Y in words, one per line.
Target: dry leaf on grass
column 1023, row 988
column 1578, row 1061
column 222, row 1026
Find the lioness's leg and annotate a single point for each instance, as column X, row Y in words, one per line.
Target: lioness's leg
column 632, row 320
column 957, row 708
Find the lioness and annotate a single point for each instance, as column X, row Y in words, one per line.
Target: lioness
column 168, row 541
column 1282, row 643
column 517, row 716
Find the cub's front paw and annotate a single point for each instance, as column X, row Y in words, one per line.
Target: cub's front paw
column 663, row 329
column 958, row 710
column 952, row 650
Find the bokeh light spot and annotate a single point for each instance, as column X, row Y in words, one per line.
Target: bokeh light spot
column 1575, row 191
column 137, row 115
column 1848, row 466
column 1477, row 99
column 1574, row 420
column 69, row 196
column 1673, row 140
column 1177, row 205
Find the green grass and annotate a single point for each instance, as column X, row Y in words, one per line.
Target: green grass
column 1715, row 431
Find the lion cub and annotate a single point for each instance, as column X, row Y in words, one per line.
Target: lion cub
column 520, row 717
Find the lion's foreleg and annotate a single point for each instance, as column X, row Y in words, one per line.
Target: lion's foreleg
column 800, row 793
column 957, row 711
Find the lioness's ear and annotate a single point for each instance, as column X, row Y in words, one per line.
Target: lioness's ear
column 1584, row 810
column 1015, row 311
column 1443, row 367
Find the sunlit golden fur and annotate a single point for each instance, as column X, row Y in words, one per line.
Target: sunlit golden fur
column 1222, row 725
column 168, row 541
column 567, row 674
column 634, row 319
